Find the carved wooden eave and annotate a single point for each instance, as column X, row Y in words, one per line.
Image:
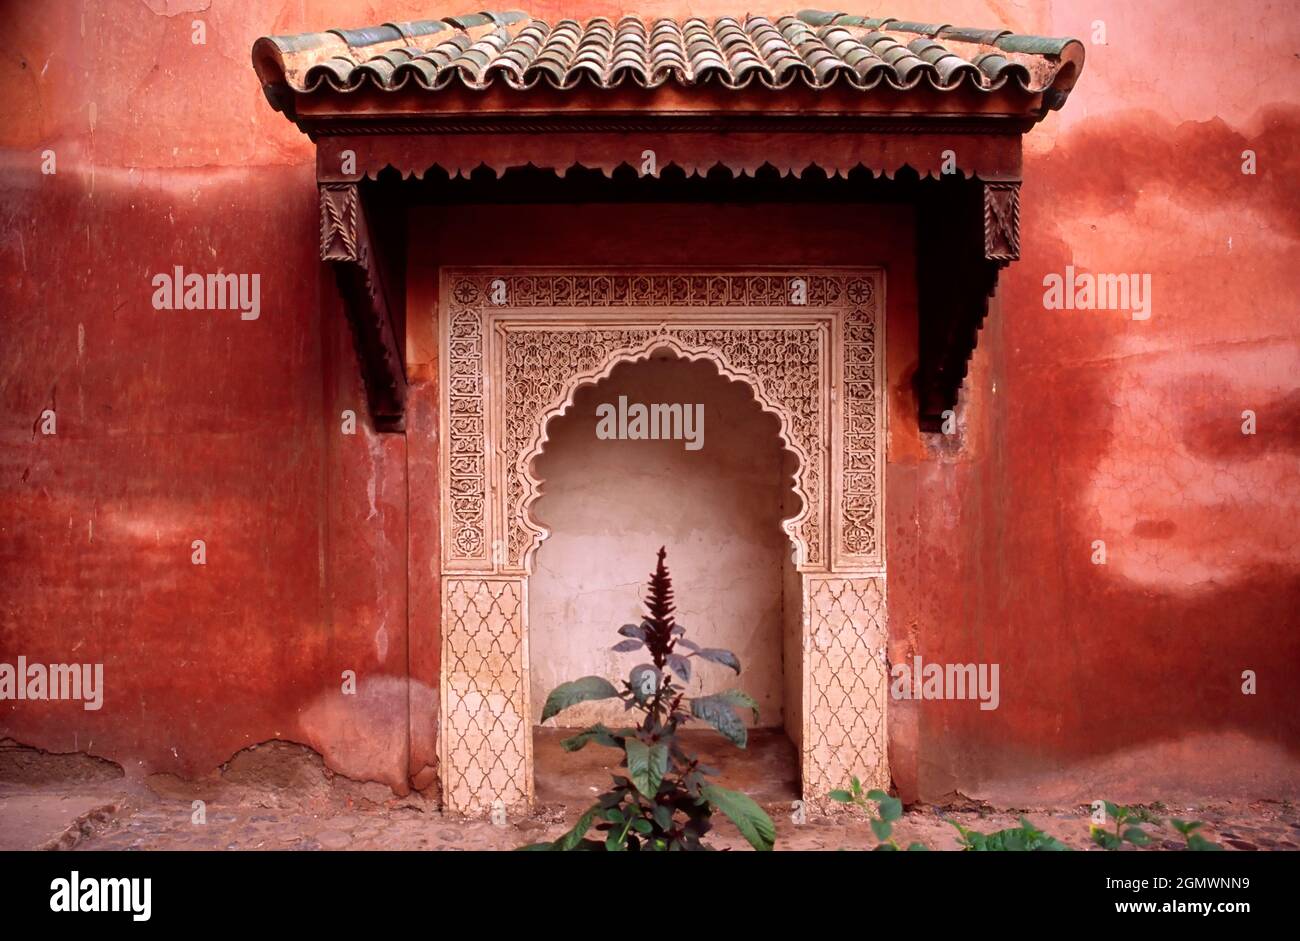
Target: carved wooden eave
column 347, row 244
column 831, row 91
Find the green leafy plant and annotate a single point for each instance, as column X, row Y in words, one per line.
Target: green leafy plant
column 1126, row 827
column 1024, row 838
column 1195, row 841
column 665, row 801
column 886, row 810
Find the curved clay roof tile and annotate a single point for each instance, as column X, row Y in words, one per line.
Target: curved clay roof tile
column 549, row 72
column 336, row 72
column 818, row 47
column 870, row 68
column 510, row 67
column 625, row 51
column 982, row 37
column 420, row 70
column 710, row 65
column 667, row 48
column 1000, row 69
column 744, row 64
column 951, row 68
column 368, row 36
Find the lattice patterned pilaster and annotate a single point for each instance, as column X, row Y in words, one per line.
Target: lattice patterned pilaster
column 486, row 734
column 845, row 684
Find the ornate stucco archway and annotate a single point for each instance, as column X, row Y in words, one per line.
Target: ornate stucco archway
column 515, row 347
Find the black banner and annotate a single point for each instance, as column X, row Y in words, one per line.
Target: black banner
column 332, row 890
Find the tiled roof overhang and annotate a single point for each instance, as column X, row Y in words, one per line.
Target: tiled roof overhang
column 817, row 89
column 813, row 49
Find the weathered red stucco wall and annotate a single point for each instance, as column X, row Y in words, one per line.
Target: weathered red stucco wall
column 1119, row 680
column 1124, row 680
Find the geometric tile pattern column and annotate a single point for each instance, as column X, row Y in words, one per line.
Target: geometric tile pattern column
column 486, row 738
column 845, row 685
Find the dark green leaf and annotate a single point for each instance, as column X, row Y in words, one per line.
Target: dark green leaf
column 663, row 815
column 646, row 764
column 597, row 733
column 844, row 797
column 882, row 829
column 680, row 665
column 574, row 837
column 720, row 714
column 716, row 655
column 738, row 699
column 891, row 808
column 1020, row 839
column 1105, row 839
column 754, row 825
column 569, row 694
column 1137, row 836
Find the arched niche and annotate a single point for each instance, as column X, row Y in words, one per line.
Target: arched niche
column 516, row 345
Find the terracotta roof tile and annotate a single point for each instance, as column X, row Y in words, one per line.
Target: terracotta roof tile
column 813, row 48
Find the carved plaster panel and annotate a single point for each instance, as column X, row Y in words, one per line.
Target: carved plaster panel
column 516, row 347
column 555, row 332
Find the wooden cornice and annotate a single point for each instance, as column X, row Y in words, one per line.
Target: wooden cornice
column 967, row 231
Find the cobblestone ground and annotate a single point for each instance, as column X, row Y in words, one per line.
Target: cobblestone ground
column 278, row 798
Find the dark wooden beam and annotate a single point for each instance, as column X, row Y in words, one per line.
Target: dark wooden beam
column 349, row 245
column 967, row 231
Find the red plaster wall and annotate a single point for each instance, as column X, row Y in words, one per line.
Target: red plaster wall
column 1119, row 681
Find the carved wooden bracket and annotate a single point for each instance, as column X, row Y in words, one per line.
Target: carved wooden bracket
column 968, row 231
column 1002, row 222
column 347, row 243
